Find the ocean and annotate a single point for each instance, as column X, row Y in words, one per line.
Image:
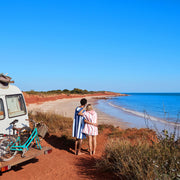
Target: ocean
column 140, row 110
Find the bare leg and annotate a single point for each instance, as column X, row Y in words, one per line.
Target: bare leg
column 79, row 146
column 94, row 144
column 76, row 145
column 90, row 145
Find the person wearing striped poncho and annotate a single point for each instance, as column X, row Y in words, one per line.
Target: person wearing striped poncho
column 78, row 126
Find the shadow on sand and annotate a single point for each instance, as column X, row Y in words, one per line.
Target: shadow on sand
column 62, row 143
column 21, row 165
column 86, row 164
column 87, row 167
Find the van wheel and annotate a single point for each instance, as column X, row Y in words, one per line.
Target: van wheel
column 6, row 153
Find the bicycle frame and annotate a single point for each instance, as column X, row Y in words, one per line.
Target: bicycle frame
column 26, row 145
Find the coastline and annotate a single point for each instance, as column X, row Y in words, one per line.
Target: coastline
column 66, row 107
column 139, row 120
column 107, row 113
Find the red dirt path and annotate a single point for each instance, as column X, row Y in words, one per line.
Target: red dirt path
column 60, row 164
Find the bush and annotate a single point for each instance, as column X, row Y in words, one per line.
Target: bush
column 142, row 160
column 65, row 91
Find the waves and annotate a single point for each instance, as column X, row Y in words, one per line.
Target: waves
column 144, row 115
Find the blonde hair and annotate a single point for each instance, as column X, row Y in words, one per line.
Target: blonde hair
column 89, row 107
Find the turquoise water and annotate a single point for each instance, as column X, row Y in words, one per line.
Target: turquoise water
column 161, row 105
column 157, row 110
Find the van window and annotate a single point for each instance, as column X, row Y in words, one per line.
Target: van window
column 16, row 105
column 1, row 110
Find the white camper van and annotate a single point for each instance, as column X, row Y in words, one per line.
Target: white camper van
column 12, row 107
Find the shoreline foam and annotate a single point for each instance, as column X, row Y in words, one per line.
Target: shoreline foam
column 142, row 115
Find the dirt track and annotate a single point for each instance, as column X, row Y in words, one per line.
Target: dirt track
column 61, row 163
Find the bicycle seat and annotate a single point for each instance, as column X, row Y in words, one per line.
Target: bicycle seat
column 14, row 122
column 17, row 129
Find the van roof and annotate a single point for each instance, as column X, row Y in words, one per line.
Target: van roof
column 11, row 89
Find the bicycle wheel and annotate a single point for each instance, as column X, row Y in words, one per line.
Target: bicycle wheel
column 6, row 153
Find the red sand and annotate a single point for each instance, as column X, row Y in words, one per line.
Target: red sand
column 30, row 99
column 60, row 164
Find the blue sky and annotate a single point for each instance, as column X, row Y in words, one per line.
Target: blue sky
column 122, row 46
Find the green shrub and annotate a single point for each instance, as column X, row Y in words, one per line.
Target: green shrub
column 65, row 91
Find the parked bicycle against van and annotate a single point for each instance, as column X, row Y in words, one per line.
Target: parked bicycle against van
column 20, row 142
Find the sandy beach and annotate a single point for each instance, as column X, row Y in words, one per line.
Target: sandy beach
column 66, row 107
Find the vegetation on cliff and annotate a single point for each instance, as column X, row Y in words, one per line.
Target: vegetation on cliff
column 65, row 91
column 135, row 157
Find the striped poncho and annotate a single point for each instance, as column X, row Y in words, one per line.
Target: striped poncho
column 78, row 125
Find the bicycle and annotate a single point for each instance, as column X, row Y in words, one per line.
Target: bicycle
column 20, row 142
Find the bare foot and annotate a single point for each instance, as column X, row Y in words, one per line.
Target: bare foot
column 73, row 151
column 93, row 152
column 80, row 153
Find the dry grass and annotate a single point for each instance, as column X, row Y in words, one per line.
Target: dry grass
column 101, row 127
column 134, row 134
column 142, row 160
column 56, row 124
